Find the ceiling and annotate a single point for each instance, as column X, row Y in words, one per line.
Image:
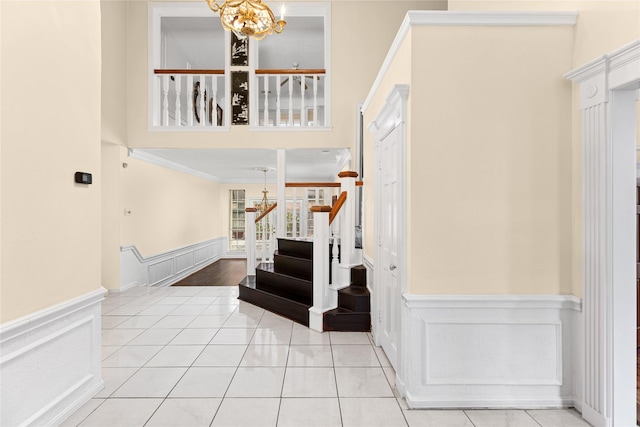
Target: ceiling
column 241, row 165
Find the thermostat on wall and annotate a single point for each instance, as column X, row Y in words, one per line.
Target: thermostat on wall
column 83, row 178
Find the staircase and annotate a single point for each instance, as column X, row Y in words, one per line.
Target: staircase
column 285, row 287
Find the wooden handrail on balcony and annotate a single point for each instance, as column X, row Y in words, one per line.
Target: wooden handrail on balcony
column 318, row 184
column 175, row 71
column 266, row 212
column 293, row 71
column 336, row 207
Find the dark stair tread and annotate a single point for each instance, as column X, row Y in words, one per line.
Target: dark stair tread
column 355, row 291
column 283, row 285
column 301, row 268
column 296, row 248
column 355, row 298
column 342, row 319
column 359, row 276
column 291, row 309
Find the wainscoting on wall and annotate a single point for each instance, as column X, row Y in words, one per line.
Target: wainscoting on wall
column 488, row 351
column 50, row 362
column 167, row 268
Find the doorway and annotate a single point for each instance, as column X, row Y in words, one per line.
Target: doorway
column 389, row 130
column 608, row 99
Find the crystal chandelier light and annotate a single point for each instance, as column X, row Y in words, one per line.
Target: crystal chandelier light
column 247, row 18
column 264, row 203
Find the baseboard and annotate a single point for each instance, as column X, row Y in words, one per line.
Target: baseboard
column 515, row 351
column 167, row 268
column 50, row 362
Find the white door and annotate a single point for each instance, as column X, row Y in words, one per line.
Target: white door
column 388, row 284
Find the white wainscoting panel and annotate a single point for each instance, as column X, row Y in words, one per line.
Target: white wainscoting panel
column 484, row 351
column 186, row 261
column 50, row 362
column 167, row 268
column 506, row 362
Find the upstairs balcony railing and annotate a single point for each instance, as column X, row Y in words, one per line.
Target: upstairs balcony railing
column 291, row 97
column 189, row 98
column 199, row 100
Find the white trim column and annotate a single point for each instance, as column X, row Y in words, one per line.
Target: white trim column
column 281, row 193
column 250, row 240
column 607, row 100
column 322, row 294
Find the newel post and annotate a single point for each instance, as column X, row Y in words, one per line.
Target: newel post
column 250, row 240
column 348, row 223
column 321, row 299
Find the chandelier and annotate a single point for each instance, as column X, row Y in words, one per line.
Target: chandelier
column 264, row 204
column 247, row 18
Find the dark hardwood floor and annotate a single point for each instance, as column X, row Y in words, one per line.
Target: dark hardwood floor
column 225, row 272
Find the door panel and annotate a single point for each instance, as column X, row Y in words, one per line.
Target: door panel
column 389, row 205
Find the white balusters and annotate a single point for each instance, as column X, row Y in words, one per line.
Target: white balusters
column 196, row 104
column 294, row 223
column 272, row 235
column 304, row 222
column 263, row 238
column 266, row 101
column 213, row 113
column 250, row 242
column 178, row 86
column 202, row 101
column 290, row 117
column 189, row 102
column 335, row 253
column 278, row 84
column 165, row 100
column 315, row 101
column 303, row 113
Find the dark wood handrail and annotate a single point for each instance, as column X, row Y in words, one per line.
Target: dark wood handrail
column 293, row 71
column 318, row 184
column 312, row 184
column 174, row 71
column 266, row 212
column 336, row 207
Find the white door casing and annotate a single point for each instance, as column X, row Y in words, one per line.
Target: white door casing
column 608, row 94
column 389, row 316
column 389, row 130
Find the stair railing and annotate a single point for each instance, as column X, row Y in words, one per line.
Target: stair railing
column 260, row 240
column 325, row 288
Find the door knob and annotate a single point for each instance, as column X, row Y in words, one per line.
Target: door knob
column 392, row 267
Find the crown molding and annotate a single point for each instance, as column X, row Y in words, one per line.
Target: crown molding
column 136, row 153
column 454, row 18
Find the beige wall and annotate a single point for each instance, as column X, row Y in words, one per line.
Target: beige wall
column 492, row 211
column 489, row 203
column 114, row 71
column 112, row 213
column 602, row 27
column 359, row 46
column 50, row 244
column 169, row 209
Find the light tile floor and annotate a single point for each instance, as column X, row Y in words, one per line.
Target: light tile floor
column 196, row 356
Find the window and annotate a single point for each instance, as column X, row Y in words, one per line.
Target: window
column 314, row 197
column 236, row 220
